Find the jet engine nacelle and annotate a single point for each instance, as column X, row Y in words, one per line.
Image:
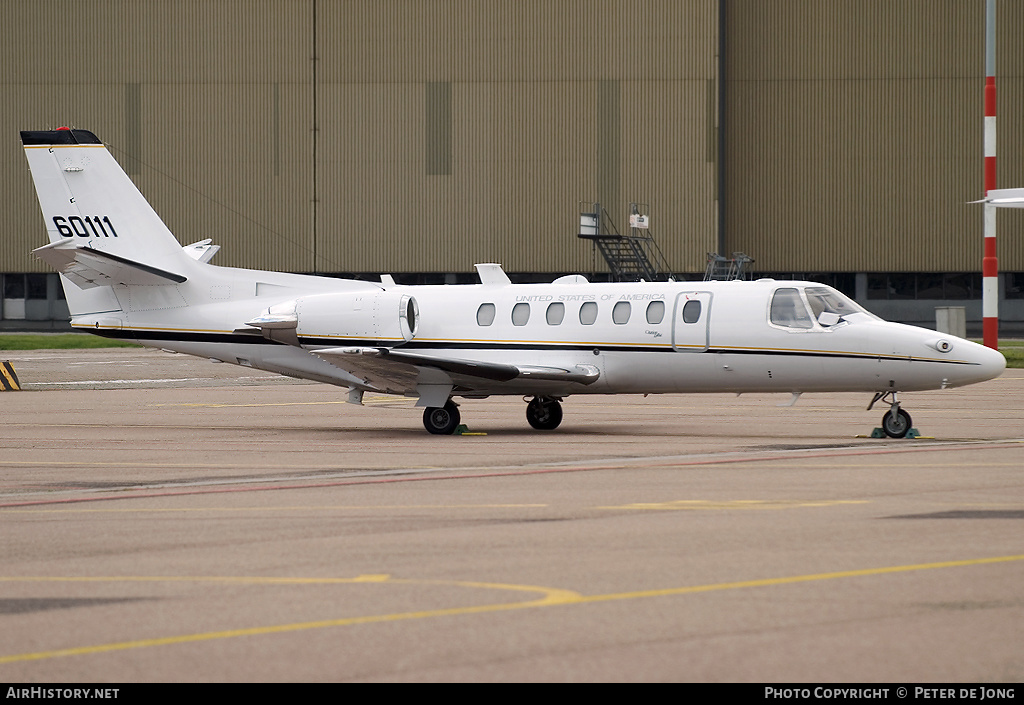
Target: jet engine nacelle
column 361, row 318
column 377, row 317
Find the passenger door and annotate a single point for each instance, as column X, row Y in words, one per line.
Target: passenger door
column 691, row 318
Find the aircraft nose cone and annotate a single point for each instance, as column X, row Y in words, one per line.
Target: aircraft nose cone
column 993, row 363
column 986, row 363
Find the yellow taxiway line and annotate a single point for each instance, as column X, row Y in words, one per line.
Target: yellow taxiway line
column 549, row 597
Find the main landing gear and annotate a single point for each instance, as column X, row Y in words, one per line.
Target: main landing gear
column 442, row 420
column 896, row 422
column 544, row 413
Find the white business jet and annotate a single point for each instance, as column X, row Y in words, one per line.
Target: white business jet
column 126, row 276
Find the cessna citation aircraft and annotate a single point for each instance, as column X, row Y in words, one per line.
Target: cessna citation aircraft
column 127, row 277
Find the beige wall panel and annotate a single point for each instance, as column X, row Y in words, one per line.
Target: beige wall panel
column 854, row 133
column 853, row 127
column 208, row 105
column 139, row 41
column 1010, row 127
column 546, row 164
column 1009, row 165
column 668, row 163
column 524, row 155
column 520, row 165
column 232, row 163
column 40, row 107
column 370, row 160
column 212, row 160
column 514, row 40
column 525, row 138
column 852, row 176
column 781, row 40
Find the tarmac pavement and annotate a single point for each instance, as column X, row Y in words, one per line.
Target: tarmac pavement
column 168, row 519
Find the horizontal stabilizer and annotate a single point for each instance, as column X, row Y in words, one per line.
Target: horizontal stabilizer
column 88, row 267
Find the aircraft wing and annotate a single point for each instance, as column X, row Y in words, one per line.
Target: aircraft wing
column 401, row 372
column 88, row 267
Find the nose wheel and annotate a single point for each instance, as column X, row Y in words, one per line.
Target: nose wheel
column 544, row 413
column 896, row 423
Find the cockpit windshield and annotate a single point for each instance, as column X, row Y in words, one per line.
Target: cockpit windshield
column 824, row 300
column 826, row 306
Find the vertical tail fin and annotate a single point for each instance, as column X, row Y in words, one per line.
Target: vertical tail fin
column 102, row 231
column 86, row 198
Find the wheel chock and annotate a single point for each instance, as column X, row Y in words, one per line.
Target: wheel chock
column 879, row 433
column 463, row 430
column 8, row 377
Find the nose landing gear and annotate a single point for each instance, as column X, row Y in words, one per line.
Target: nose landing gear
column 896, row 422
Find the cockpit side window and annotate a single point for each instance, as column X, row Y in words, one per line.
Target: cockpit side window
column 788, row 310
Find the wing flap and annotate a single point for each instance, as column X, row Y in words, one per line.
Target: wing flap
column 400, row 371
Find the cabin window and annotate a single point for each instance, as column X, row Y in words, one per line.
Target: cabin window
column 555, row 314
column 620, row 313
column 520, row 314
column 655, row 312
column 588, row 313
column 485, row 315
column 788, row 310
column 691, row 311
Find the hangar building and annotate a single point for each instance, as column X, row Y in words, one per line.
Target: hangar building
column 837, row 141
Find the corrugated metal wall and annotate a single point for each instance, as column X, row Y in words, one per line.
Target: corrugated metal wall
column 449, row 133
column 469, row 132
column 446, row 132
column 854, row 133
column 206, row 104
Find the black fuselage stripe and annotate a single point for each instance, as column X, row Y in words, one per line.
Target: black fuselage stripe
column 255, row 339
column 181, row 336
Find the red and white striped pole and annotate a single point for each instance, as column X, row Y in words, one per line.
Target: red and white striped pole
column 990, row 263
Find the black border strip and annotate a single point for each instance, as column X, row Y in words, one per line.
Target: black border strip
column 43, row 138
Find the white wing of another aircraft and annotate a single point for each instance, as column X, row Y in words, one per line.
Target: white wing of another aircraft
column 125, row 276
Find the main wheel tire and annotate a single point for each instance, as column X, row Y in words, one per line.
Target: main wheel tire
column 544, row 414
column 896, row 427
column 442, row 420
